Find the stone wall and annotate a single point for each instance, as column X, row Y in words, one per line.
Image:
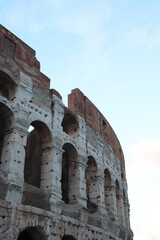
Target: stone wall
column 62, row 171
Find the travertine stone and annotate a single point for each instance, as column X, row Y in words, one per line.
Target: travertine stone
column 62, row 169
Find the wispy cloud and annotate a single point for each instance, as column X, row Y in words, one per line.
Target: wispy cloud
column 146, row 35
column 86, row 20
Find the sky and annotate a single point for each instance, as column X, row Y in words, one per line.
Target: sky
column 110, row 50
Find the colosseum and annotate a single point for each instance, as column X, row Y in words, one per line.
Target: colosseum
column 62, row 169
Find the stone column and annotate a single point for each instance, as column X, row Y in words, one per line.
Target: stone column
column 121, row 209
column 100, row 193
column 79, row 182
column 13, row 156
column 113, row 208
column 109, row 201
column 51, row 172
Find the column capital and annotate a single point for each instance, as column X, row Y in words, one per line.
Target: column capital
column 57, row 148
column 81, row 164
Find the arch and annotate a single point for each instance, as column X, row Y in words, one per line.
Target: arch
column 107, row 189
column 92, row 184
column 68, row 176
column 6, row 122
column 117, row 199
column 7, row 86
column 32, row 233
column 123, row 177
column 38, row 140
column 70, row 125
column 68, row 237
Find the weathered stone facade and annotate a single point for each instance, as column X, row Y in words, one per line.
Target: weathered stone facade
column 64, row 178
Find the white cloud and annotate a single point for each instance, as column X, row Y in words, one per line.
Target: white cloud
column 144, row 234
column 143, row 178
column 146, row 154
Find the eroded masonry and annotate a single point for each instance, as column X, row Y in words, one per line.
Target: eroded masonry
column 62, row 170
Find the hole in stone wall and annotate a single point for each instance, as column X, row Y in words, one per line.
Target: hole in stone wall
column 68, row 237
column 68, row 176
column 7, row 86
column 65, row 178
column 32, row 233
column 104, row 128
column 117, row 199
column 37, row 138
column 70, row 125
column 2, row 126
column 122, row 177
column 103, row 123
column 117, row 190
column 30, row 129
column 107, row 188
column 33, row 159
column 124, row 196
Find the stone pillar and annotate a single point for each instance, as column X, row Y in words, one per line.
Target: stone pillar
column 109, row 202
column 13, row 155
column 51, row 172
column 80, row 182
column 121, row 210
column 113, row 199
column 100, row 192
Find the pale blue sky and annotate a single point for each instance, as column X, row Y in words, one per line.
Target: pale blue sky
column 110, row 50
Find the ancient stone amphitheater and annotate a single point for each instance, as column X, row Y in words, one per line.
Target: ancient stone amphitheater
column 62, row 170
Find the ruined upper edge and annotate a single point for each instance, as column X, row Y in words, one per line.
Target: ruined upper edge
column 78, row 103
column 9, row 33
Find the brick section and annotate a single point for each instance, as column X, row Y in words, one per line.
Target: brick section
column 55, row 92
column 24, row 56
column 8, row 47
column 76, row 102
column 81, row 105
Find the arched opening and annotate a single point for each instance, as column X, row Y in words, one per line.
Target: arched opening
column 68, row 177
column 118, row 200
column 107, row 190
column 92, row 184
column 104, row 127
column 6, row 121
column 2, row 127
column 123, row 177
column 68, row 237
column 32, row 233
column 70, row 125
column 37, row 142
column 7, row 86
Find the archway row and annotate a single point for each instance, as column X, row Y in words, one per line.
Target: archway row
column 38, row 233
column 36, row 157
column 39, row 139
